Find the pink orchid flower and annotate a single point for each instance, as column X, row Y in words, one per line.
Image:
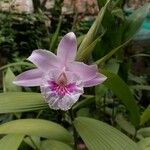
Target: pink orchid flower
column 61, row 78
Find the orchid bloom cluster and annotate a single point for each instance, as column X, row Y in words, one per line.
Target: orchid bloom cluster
column 61, row 78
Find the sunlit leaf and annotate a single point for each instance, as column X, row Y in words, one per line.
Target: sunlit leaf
column 8, row 85
column 98, row 135
column 21, row 102
column 145, row 132
column 88, row 50
column 54, row 145
column 122, row 91
column 33, row 141
column 37, row 127
column 94, row 32
column 144, row 144
column 145, row 116
column 118, row 12
column 11, row 142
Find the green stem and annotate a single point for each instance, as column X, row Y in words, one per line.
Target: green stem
column 113, row 112
column 16, row 64
column 36, row 147
column 75, row 134
column 135, row 134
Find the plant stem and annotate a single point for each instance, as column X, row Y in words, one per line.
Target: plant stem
column 135, row 134
column 75, row 134
column 113, row 112
column 36, row 147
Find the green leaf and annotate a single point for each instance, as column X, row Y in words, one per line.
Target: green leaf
column 37, row 127
column 83, row 112
column 113, row 66
column 21, row 63
column 122, row 91
column 141, row 87
column 94, row 32
column 54, row 39
column 8, row 85
column 111, row 53
column 88, row 50
column 11, row 102
column 132, row 25
column 144, row 144
column 98, row 135
column 134, row 21
column 145, row 132
column 101, row 3
column 118, row 12
column 11, row 142
column 127, row 126
column 33, row 141
column 145, row 116
column 54, row 145
column 85, row 102
column 80, row 39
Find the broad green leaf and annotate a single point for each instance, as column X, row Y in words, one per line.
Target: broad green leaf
column 134, row 21
column 145, row 132
column 8, row 85
column 37, row 127
column 11, row 142
column 98, row 135
column 144, row 144
column 54, row 145
column 94, row 32
column 122, row 91
column 145, row 116
column 11, row 102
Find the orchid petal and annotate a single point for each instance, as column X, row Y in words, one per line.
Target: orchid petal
column 67, row 48
column 43, row 59
column 98, row 79
column 85, row 72
column 29, row 78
